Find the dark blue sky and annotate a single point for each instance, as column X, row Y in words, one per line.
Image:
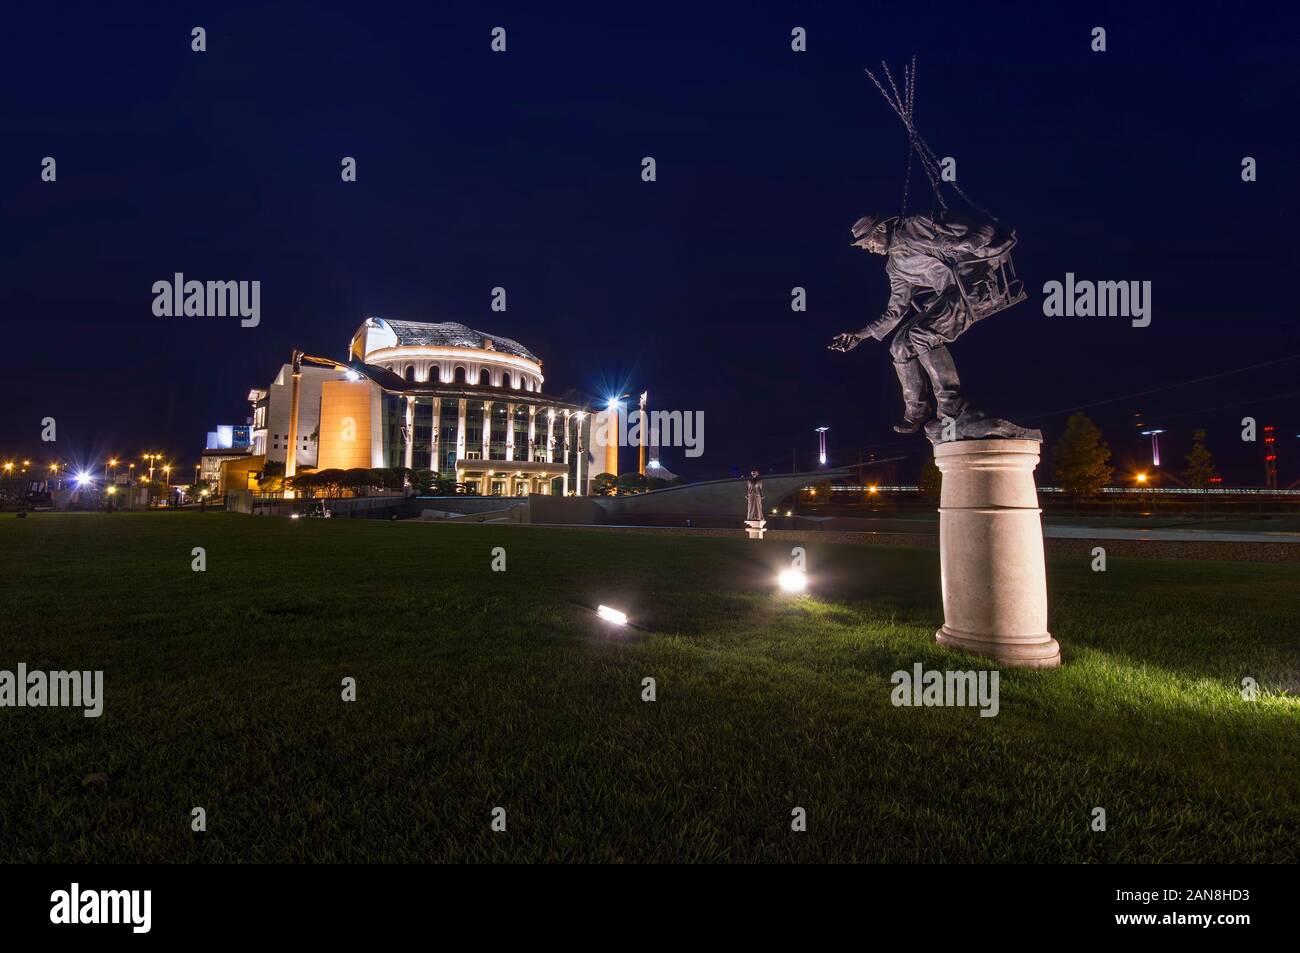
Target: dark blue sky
column 523, row 170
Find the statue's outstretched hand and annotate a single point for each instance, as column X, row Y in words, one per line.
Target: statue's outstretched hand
column 845, row 341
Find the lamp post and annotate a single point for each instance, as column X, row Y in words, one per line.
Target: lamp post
column 645, row 429
column 1155, row 445
column 821, row 453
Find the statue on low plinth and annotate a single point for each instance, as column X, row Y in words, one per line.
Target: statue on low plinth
column 754, row 521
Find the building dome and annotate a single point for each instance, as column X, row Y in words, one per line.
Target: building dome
column 446, row 352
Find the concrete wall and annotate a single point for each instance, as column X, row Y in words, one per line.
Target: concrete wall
column 565, row 510
column 715, row 498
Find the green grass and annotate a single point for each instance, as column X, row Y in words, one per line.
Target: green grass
column 478, row 689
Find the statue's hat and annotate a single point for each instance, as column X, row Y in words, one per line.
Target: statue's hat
column 866, row 225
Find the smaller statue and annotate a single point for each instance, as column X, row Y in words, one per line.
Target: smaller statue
column 754, row 522
column 754, row 497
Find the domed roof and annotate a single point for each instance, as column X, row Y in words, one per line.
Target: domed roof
column 454, row 334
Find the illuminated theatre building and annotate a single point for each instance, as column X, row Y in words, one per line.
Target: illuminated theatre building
column 466, row 404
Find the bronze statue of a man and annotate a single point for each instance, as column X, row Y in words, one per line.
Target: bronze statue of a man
column 942, row 279
column 754, row 497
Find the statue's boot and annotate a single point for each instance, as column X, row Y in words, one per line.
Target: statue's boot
column 916, row 409
column 944, row 382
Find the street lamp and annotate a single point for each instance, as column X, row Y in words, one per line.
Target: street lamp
column 1155, row 445
column 821, row 434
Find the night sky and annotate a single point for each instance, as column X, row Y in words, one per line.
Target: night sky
column 523, row 169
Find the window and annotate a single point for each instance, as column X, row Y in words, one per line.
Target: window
column 505, row 379
column 485, row 377
column 460, row 374
column 410, row 372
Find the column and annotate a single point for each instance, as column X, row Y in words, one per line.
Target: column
column 408, row 435
column 581, row 454
column 487, row 431
column 460, row 434
column 510, row 431
column 437, row 430
column 532, row 432
column 550, row 435
column 566, row 453
column 991, row 552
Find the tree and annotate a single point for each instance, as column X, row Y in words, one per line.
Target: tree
column 329, row 481
column 604, row 484
column 304, row 484
column 1082, row 459
column 631, row 483
column 392, row 478
column 360, row 479
column 271, row 479
column 1200, row 465
column 930, row 481
column 422, row 481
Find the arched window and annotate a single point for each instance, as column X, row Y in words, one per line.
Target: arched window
column 460, row 374
column 410, row 372
column 485, row 377
column 505, row 378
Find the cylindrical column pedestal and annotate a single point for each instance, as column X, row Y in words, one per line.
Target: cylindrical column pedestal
column 991, row 553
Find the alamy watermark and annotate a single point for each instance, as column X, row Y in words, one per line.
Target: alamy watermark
column 73, row 906
column 653, row 428
column 24, row 689
column 1103, row 299
column 946, row 689
column 208, row 299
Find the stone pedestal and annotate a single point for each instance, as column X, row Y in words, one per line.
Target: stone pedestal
column 755, row 528
column 991, row 553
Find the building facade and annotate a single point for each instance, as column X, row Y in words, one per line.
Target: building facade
column 271, row 407
column 466, row 404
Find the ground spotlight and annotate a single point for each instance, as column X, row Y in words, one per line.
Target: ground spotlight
column 792, row 580
column 611, row 615
column 83, row 479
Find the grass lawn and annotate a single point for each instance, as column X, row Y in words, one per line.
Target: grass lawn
column 479, row 688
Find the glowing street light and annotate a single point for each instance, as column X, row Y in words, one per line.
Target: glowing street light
column 792, row 580
column 1142, row 478
column 83, row 479
column 821, row 455
column 611, row 615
